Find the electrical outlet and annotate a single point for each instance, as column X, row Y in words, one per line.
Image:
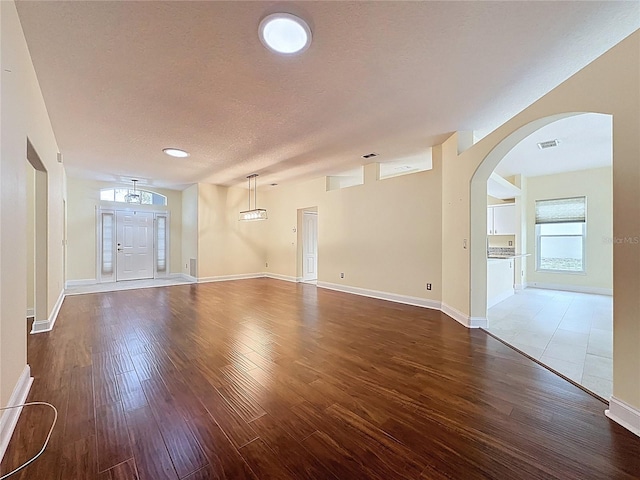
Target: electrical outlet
column 511, row 243
column 428, row 286
column 266, row 264
column 342, row 275
column 464, row 243
column 186, row 265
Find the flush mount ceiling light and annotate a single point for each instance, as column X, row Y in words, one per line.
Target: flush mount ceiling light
column 284, row 33
column 253, row 213
column 175, row 152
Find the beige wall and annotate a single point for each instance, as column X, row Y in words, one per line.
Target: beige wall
column 596, row 184
column 22, row 115
column 83, row 200
column 31, row 236
column 225, row 245
column 384, row 235
column 609, row 85
column 189, row 227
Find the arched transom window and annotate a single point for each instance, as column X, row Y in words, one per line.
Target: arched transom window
column 123, row 195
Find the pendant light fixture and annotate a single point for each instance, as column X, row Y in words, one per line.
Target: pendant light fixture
column 253, row 213
column 132, row 196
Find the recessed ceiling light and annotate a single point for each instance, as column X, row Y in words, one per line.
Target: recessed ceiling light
column 175, row 152
column 284, row 33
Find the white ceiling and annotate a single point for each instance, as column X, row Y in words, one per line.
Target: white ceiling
column 122, row 80
column 586, row 141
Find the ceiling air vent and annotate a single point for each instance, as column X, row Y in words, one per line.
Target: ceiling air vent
column 548, row 144
column 370, row 155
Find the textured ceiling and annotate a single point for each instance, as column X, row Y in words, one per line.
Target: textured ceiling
column 122, row 80
column 586, row 141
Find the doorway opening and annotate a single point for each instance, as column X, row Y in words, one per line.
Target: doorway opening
column 132, row 245
column 308, row 254
column 547, row 283
column 37, row 236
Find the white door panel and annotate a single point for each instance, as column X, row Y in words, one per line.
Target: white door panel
column 310, row 246
column 134, row 248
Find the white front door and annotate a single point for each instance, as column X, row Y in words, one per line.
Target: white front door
column 134, row 247
column 309, row 246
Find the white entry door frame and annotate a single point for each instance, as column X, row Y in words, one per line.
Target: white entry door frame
column 309, row 246
column 132, row 244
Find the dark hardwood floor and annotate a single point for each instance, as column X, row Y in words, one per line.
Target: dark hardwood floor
column 264, row 379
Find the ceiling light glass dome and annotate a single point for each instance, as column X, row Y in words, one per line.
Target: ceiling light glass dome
column 175, row 152
column 285, row 33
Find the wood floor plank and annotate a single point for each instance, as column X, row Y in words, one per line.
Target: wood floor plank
column 152, row 458
column 113, row 444
column 81, row 413
column 205, row 473
column 297, row 459
column 264, row 463
column 256, row 379
column 79, row 459
column 234, row 426
column 123, row 471
column 185, row 402
column 224, row 460
column 183, row 449
column 130, row 390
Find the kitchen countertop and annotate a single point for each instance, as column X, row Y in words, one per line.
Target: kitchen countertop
column 507, row 257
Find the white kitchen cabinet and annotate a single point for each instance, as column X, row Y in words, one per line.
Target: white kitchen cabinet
column 501, row 219
column 500, row 279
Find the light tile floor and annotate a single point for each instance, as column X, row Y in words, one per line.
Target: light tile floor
column 570, row 332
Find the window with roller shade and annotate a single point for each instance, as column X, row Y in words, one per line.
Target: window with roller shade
column 560, row 235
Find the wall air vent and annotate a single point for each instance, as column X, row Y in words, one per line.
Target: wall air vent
column 370, row 155
column 548, row 144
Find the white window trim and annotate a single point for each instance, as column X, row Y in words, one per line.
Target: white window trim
column 166, row 200
column 565, row 272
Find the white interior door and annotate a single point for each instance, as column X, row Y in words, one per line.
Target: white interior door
column 134, row 248
column 310, row 246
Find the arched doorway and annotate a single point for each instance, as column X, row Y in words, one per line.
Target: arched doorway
column 558, row 343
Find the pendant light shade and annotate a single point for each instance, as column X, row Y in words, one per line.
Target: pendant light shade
column 132, row 196
column 253, row 213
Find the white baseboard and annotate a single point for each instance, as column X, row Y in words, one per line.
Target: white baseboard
column 463, row 318
column 520, row 286
column 392, row 297
column 31, row 312
column 9, row 419
column 624, row 414
column 478, row 322
column 225, row 278
column 183, row 276
column 571, row 288
column 500, row 297
column 40, row 326
column 286, row 278
column 80, row 283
